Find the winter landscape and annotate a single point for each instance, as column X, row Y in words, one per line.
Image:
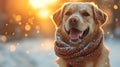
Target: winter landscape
column 38, row 52
column 27, row 32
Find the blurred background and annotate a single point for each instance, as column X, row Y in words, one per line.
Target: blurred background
column 27, row 32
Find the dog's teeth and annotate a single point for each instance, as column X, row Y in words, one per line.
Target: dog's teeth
column 81, row 34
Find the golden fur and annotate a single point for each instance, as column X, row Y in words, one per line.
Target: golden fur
column 94, row 19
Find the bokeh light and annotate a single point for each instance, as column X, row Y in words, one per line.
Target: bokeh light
column 6, row 33
column 18, row 18
column 27, row 27
column 4, row 38
column 115, row 7
column 13, row 34
column 20, row 23
column 6, row 24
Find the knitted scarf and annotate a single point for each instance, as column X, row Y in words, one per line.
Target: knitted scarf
column 90, row 50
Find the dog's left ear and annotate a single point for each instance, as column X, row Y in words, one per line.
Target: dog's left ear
column 99, row 16
column 57, row 17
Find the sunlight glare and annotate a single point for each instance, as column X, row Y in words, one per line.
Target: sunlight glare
column 44, row 13
column 41, row 3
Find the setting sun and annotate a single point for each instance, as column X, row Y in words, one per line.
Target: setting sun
column 42, row 6
column 41, row 3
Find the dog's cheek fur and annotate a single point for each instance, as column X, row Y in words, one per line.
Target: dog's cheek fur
column 92, row 27
column 65, row 24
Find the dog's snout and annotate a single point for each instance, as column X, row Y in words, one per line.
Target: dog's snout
column 73, row 22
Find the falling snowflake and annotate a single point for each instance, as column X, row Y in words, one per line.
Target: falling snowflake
column 6, row 24
column 116, row 19
column 18, row 44
column 108, row 32
column 13, row 34
column 6, row 33
column 26, row 35
column 12, row 48
column 20, row 23
column 27, row 51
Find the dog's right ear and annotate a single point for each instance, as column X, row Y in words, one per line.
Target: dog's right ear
column 99, row 16
column 57, row 17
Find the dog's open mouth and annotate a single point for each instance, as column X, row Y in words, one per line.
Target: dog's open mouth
column 75, row 34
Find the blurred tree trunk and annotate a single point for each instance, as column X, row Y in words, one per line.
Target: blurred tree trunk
column 2, row 5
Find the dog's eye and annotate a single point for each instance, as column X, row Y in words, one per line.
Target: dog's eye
column 68, row 13
column 85, row 14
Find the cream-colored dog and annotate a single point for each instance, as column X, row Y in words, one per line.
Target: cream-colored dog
column 79, row 36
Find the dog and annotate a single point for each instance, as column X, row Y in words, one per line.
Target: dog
column 79, row 35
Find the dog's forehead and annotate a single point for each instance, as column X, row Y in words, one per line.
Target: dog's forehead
column 78, row 6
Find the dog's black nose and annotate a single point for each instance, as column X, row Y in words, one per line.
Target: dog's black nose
column 73, row 21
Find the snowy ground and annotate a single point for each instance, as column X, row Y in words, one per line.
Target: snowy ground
column 39, row 53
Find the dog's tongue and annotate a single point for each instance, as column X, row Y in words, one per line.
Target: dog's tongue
column 75, row 34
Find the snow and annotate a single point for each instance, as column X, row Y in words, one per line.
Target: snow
column 38, row 52
column 114, row 47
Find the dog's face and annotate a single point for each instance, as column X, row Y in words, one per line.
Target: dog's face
column 77, row 20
